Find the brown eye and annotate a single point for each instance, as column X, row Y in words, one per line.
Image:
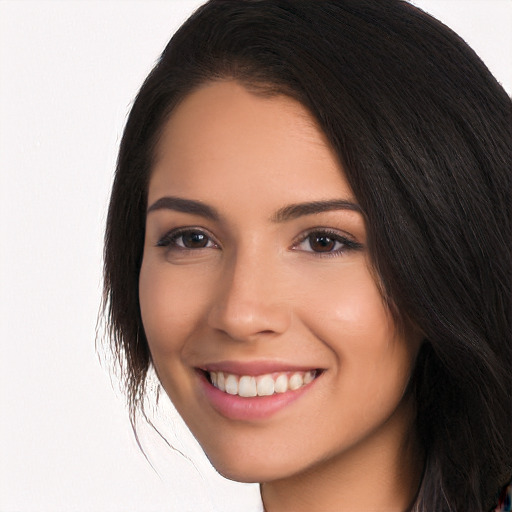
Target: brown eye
column 193, row 240
column 321, row 242
column 187, row 239
column 326, row 243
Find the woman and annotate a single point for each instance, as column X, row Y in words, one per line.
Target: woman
column 309, row 239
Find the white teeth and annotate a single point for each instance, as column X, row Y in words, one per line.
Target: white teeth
column 265, row 385
column 281, row 384
column 231, row 384
column 296, row 381
column 262, row 385
column 247, row 386
column 221, row 381
column 309, row 377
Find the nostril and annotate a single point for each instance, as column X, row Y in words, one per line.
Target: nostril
column 245, row 318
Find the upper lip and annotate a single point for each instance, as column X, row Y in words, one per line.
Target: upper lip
column 254, row 368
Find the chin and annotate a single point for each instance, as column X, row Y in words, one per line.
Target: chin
column 247, row 470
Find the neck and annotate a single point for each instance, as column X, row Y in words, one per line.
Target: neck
column 381, row 474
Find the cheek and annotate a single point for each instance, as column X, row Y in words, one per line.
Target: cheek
column 374, row 360
column 169, row 312
column 348, row 306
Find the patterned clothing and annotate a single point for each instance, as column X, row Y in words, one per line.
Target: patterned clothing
column 505, row 501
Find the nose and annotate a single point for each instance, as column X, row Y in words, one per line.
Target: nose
column 250, row 302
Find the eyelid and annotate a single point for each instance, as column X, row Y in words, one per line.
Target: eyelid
column 349, row 242
column 173, row 234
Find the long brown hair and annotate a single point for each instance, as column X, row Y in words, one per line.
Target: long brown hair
column 424, row 134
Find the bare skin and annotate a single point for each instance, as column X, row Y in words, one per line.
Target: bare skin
column 255, row 263
column 364, row 485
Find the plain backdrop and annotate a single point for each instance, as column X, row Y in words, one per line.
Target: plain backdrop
column 69, row 71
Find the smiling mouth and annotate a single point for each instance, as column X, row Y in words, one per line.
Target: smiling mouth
column 249, row 386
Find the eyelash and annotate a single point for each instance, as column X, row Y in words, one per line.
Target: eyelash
column 170, row 241
column 346, row 243
column 171, row 238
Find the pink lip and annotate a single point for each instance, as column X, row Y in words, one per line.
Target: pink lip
column 254, row 368
column 239, row 408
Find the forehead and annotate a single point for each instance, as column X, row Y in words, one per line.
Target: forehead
column 223, row 138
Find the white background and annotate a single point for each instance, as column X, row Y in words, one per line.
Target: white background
column 68, row 73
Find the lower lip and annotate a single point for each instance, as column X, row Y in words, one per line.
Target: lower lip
column 241, row 408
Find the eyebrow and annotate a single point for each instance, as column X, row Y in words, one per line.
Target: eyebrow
column 284, row 214
column 294, row 211
column 185, row 206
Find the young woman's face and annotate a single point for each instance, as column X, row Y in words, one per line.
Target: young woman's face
column 256, row 280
